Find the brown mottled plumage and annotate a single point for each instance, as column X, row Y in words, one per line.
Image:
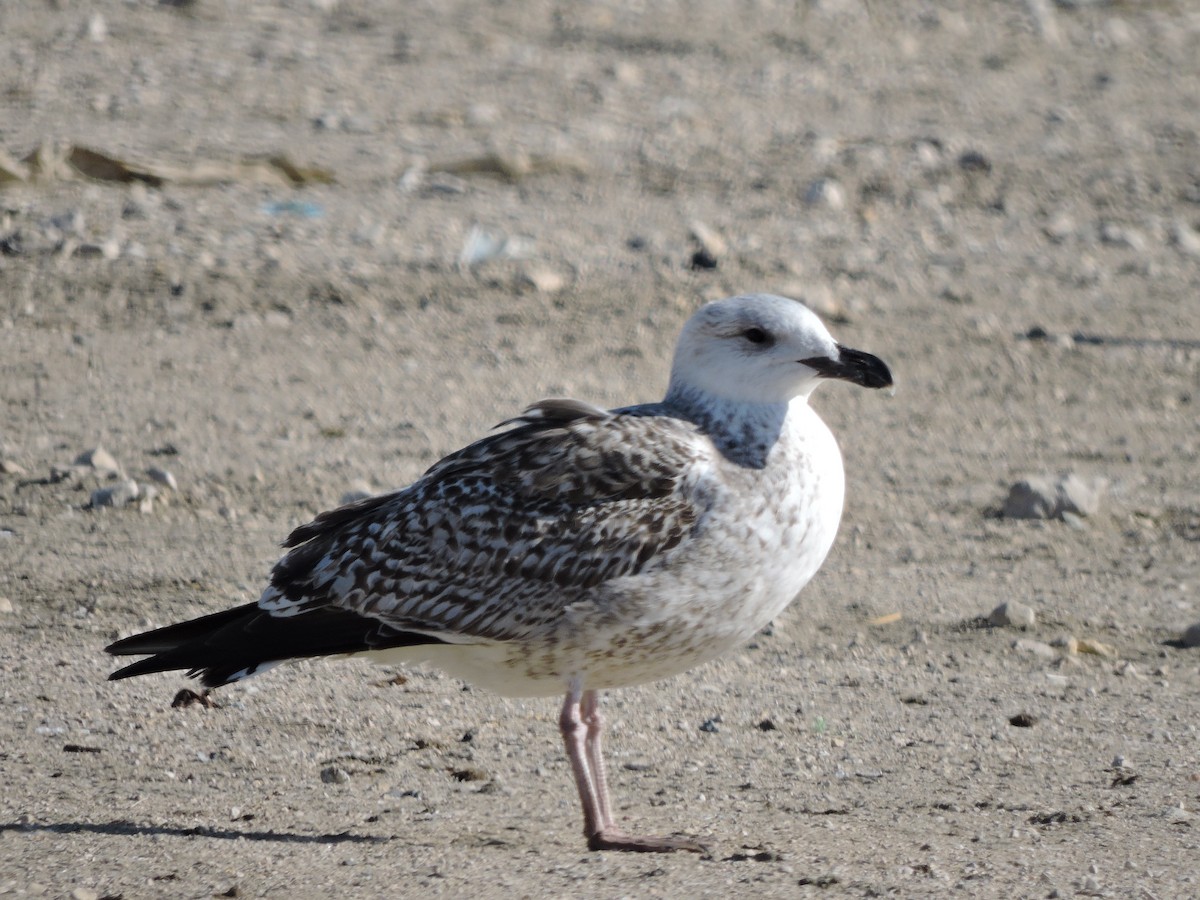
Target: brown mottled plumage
column 580, row 549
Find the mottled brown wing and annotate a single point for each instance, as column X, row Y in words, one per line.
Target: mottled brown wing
column 496, row 539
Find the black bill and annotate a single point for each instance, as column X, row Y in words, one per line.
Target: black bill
column 854, row 366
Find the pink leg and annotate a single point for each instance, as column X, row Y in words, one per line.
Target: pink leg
column 590, row 712
column 581, row 725
column 574, row 733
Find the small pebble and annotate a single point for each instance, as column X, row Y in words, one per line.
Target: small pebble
column 1068, row 643
column 974, row 161
column 163, row 477
column 335, row 775
column 70, row 222
column 1096, row 648
column 146, row 501
column 1036, row 648
column 1127, row 670
column 711, row 726
column 928, row 155
column 1045, row 497
column 96, row 28
column 1059, row 227
column 1044, row 20
column 99, row 459
column 1185, row 238
column 1119, row 236
column 116, row 495
column 709, row 239
column 1080, row 496
column 1031, row 498
column 1191, row 637
column 544, row 281
column 1013, row 614
column 827, row 193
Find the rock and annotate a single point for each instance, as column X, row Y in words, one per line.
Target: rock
column 928, row 154
column 8, row 467
column 116, row 495
column 109, row 249
column 1059, row 227
column 99, row 459
column 1044, row 20
column 1177, row 815
column 482, row 246
column 1080, row 496
column 1074, row 522
column 1036, row 648
column 1191, row 636
column 1013, row 615
column 827, row 193
column 335, row 775
column 146, row 501
column 1068, row 643
column 709, row 240
column 1120, row 236
column 163, row 477
column 974, row 161
column 1044, row 497
column 544, row 281
column 6, row 606
column 1096, row 648
column 70, row 222
column 1185, row 238
column 1031, row 498
column 96, row 29
column 82, row 893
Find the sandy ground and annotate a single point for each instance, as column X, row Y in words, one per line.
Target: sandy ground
column 936, row 179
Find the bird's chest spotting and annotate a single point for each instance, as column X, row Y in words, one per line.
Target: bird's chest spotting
column 783, row 517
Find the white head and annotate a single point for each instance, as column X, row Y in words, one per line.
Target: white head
column 759, row 348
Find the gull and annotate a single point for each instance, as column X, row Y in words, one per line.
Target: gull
column 578, row 550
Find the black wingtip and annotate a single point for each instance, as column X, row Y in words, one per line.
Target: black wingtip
column 236, row 643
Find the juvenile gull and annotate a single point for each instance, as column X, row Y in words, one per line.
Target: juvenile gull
column 581, row 549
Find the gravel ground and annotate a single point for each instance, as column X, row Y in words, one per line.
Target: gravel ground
column 1000, row 199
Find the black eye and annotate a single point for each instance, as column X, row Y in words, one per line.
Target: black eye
column 756, row 336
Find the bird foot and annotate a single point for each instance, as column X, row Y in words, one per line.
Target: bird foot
column 612, row 839
column 188, row 697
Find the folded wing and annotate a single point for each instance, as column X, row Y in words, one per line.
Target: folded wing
column 491, row 544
